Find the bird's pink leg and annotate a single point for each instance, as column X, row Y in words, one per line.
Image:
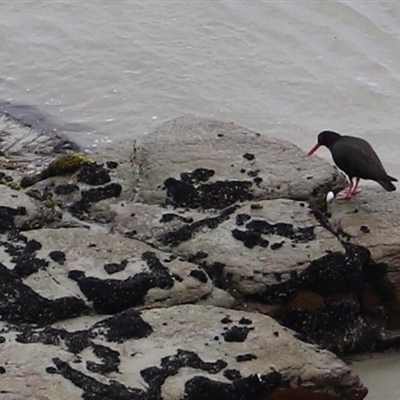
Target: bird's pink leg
column 355, row 189
column 345, row 193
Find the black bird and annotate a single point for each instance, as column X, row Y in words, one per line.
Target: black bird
column 356, row 158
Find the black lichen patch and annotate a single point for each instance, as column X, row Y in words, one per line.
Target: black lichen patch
column 252, row 387
column 216, row 273
column 328, row 275
column 58, row 256
column 226, row 320
column 24, row 257
column 7, row 215
column 66, row 188
column 123, row 326
column 110, row 360
column 197, row 176
column 364, row 229
column 199, row 275
column 241, row 219
column 236, row 334
column 113, row 268
column 283, row 229
column 2, row 370
column 277, row 245
column 170, row 217
column 250, row 239
column 177, row 277
column 95, row 390
column 112, row 295
column 219, row 194
column 19, row 303
column 187, row 232
column 93, row 174
column 332, row 325
column 249, row 156
column 111, row 164
column 336, row 272
column 254, row 173
column 194, row 258
column 88, row 197
column 246, row 357
column 51, row 370
column 156, row 376
column 232, row 374
column 257, row 181
column 245, row 321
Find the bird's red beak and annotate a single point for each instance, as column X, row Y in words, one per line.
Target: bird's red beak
column 314, row 149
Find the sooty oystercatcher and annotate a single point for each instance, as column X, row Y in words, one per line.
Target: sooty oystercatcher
column 357, row 158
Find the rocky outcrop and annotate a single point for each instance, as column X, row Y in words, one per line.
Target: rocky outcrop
column 200, row 163
column 183, row 352
column 97, row 268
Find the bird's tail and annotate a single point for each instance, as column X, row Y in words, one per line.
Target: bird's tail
column 387, row 185
column 392, row 179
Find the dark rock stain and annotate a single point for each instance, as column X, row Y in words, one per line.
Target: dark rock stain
column 249, row 156
column 250, row 239
column 241, row 219
column 110, row 360
column 113, row 268
column 282, row 229
column 232, row 374
column 57, row 256
column 7, row 215
column 364, row 229
column 111, row 164
column 199, row 275
column 188, row 231
column 20, row 304
column 112, row 295
column 66, row 188
column 236, row 334
column 219, row 194
column 198, row 175
column 252, row 387
column 246, row 357
column 24, row 257
column 88, row 197
column 93, row 174
column 277, row 245
column 168, row 217
column 216, row 273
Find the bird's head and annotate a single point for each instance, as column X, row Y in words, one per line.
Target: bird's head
column 325, row 138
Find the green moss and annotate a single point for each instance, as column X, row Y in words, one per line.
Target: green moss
column 67, row 164
column 12, row 184
column 62, row 165
column 49, row 203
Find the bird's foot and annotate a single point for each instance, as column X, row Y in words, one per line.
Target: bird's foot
column 346, row 194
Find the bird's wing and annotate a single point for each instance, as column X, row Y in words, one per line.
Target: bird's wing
column 358, row 159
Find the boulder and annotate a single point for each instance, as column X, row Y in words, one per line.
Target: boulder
column 201, row 163
column 187, row 351
column 199, row 212
column 54, row 274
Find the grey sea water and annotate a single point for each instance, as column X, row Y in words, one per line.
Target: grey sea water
column 286, row 68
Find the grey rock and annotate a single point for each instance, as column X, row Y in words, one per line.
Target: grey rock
column 183, row 351
column 198, row 162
